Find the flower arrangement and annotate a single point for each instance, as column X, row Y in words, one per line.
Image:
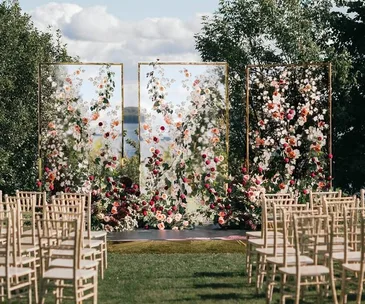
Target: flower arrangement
column 194, row 157
column 183, row 146
column 290, row 131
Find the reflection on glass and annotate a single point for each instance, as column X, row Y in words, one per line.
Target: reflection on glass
column 183, row 116
column 80, row 122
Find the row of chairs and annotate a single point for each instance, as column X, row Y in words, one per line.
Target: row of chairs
column 55, row 242
column 306, row 241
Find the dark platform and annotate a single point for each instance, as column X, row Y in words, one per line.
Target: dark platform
column 210, row 232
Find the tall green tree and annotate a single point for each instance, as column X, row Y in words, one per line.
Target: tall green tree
column 22, row 48
column 349, row 97
column 243, row 32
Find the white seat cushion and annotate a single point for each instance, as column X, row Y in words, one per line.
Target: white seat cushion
column 15, row 271
column 290, row 260
column 68, row 263
column 311, row 270
column 67, row 274
column 279, row 251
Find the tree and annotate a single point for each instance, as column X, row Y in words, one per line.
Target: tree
column 22, row 49
column 349, row 96
column 243, row 32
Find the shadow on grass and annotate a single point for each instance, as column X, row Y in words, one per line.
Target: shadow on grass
column 218, row 285
column 219, row 274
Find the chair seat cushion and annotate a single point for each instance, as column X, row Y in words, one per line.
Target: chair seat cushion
column 68, row 263
column 16, row 271
column 290, row 260
column 352, row 256
column 279, row 251
column 310, row 270
column 67, row 274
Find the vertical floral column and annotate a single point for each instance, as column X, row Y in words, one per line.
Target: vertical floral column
column 183, row 139
column 81, row 134
column 290, row 126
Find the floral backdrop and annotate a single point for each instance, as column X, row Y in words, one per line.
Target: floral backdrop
column 183, row 147
column 179, row 175
column 290, row 127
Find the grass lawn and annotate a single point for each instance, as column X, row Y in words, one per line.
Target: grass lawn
column 179, row 272
column 164, row 272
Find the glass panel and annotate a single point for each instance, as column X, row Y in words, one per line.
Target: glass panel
column 80, row 123
column 183, row 129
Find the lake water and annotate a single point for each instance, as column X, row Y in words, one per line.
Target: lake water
column 117, row 143
column 130, row 128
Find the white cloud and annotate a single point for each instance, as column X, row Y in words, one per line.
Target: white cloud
column 95, row 35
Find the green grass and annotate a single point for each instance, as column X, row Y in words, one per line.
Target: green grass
column 167, row 247
column 179, row 272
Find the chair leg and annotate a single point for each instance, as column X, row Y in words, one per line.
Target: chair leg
column 282, row 285
column 30, row 291
column 332, row 282
column 360, row 287
column 249, row 263
column 105, row 253
column 343, row 298
column 297, row 289
column 95, row 298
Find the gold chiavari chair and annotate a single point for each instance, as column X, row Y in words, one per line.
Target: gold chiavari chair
column 308, row 229
column 15, row 279
column 56, row 236
column 92, row 239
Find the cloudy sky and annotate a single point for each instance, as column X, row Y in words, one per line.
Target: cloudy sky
column 128, row 31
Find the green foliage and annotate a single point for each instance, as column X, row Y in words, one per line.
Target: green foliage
column 243, row 32
column 22, row 48
column 349, row 100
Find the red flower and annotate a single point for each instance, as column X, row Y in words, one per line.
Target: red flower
column 216, row 159
column 330, row 156
column 100, row 124
column 182, row 196
column 162, row 128
column 174, row 208
column 106, row 135
column 155, row 139
column 204, row 156
column 207, row 162
column 114, row 158
column 145, row 212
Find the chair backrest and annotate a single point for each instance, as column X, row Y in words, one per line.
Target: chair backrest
column 27, row 215
column 337, row 204
column 316, row 198
column 10, row 238
column 57, row 235
column 87, row 208
column 352, row 230
column 282, row 227
column 40, row 198
column 309, row 231
column 267, row 212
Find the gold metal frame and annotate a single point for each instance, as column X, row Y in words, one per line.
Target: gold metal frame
column 225, row 64
column 40, row 169
column 248, row 67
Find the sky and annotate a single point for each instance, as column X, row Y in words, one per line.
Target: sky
column 128, row 31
